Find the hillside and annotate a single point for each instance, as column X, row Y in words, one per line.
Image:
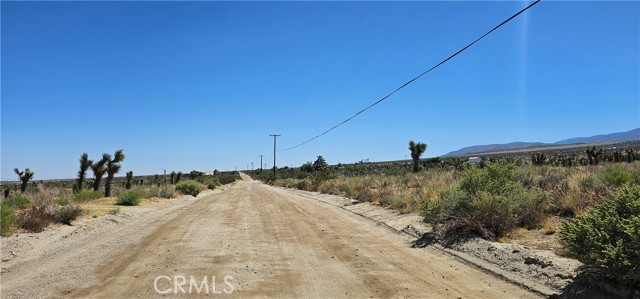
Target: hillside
column 490, row 148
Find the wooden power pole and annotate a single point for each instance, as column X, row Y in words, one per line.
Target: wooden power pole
column 274, row 154
column 261, row 163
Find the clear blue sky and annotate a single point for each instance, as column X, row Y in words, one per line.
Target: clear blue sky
column 201, row 85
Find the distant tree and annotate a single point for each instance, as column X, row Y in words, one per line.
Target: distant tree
column 594, row 155
column 630, row 154
column 99, row 169
column 538, row 159
column 417, row 149
column 307, row 167
column 127, row 184
column 194, row 174
column 178, row 176
column 172, row 177
column 24, row 176
column 85, row 163
column 320, row 164
column 113, row 167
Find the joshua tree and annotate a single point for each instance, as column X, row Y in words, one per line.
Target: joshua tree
column 594, row 155
column 25, row 176
column 127, row 185
column 172, row 177
column 85, row 163
column 538, row 159
column 178, row 176
column 417, row 149
column 113, row 166
column 99, row 169
column 630, row 154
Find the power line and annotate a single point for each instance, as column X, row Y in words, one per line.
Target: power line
column 326, row 68
column 415, row 78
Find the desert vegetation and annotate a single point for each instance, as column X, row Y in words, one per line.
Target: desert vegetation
column 32, row 205
column 607, row 237
column 503, row 194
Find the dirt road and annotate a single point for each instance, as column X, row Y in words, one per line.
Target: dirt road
column 250, row 240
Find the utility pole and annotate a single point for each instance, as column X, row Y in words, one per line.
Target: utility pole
column 260, row 162
column 251, row 166
column 274, row 154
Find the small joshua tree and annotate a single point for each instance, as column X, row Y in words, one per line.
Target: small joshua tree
column 24, row 176
column 417, row 149
column 127, row 185
column 172, row 177
column 113, row 167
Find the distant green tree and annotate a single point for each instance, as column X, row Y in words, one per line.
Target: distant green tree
column 85, row 163
column 127, row 184
column 172, row 177
column 178, row 176
column 307, row 167
column 320, row 164
column 417, row 149
column 113, row 167
column 99, row 169
column 24, row 176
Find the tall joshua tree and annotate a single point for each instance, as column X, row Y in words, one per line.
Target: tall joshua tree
column 99, row 169
column 24, row 176
column 85, row 163
column 113, row 166
column 417, row 149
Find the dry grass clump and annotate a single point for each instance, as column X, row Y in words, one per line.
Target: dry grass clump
column 44, row 206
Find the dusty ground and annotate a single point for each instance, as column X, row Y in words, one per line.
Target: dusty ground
column 267, row 242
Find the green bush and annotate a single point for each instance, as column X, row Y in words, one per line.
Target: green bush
column 7, row 214
column 616, row 176
column 66, row 214
column 228, row 178
column 86, row 195
column 608, row 236
column 489, row 202
column 189, row 187
column 129, row 198
column 17, row 200
column 209, row 181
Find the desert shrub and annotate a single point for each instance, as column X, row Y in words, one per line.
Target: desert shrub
column 35, row 218
column 168, row 192
column 129, row 198
column 616, row 176
column 17, row 200
column 608, row 236
column 228, row 178
column 62, row 201
column 209, row 181
column 66, row 214
column 489, row 202
column 7, row 214
column 189, row 187
column 86, row 195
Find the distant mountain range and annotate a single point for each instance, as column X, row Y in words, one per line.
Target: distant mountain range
column 490, row 148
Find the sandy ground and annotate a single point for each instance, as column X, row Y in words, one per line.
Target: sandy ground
column 248, row 241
